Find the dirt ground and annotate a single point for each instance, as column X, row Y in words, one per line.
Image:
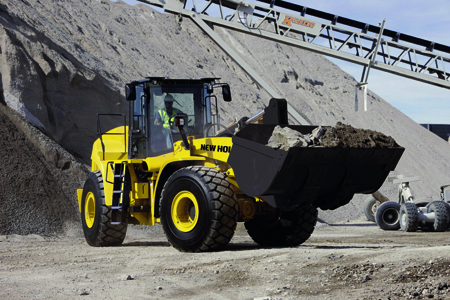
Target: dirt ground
column 353, row 260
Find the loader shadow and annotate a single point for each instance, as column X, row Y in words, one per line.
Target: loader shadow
column 147, row 244
column 355, row 225
column 244, row 247
column 349, row 247
column 250, row 247
column 230, row 247
column 235, row 247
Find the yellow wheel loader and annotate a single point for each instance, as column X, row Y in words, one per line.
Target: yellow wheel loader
column 175, row 164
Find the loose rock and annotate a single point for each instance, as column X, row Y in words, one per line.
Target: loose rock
column 285, row 138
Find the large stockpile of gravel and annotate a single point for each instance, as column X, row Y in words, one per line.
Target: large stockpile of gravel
column 38, row 180
column 62, row 62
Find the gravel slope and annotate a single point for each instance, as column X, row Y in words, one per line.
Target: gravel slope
column 38, row 180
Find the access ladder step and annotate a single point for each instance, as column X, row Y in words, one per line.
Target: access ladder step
column 117, row 192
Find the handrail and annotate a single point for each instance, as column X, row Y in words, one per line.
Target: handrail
column 100, row 133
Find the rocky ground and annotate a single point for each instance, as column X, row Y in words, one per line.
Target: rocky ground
column 353, row 260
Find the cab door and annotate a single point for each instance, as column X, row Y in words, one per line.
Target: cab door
column 139, row 116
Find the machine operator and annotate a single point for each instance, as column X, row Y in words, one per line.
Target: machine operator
column 166, row 117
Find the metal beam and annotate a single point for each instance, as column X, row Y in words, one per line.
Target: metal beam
column 246, row 67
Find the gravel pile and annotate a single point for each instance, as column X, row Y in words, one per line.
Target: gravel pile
column 38, row 181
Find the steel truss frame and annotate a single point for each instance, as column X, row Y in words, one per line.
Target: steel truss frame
column 356, row 42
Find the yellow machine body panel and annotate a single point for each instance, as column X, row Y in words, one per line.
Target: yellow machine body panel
column 211, row 152
column 111, row 147
column 215, row 148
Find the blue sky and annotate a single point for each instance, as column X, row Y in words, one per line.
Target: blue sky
column 421, row 102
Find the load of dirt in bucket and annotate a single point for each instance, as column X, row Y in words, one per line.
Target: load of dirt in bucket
column 341, row 135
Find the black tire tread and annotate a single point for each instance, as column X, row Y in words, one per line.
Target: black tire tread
column 224, row 208
column 412, row 217
column 300, row 226
column 448, row 212
column 441, row 215
column 109, row 235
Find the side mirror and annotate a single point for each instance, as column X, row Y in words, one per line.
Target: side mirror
column 226, row 93
column 130, row 92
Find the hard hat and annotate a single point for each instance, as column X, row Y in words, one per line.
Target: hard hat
column 169, row 98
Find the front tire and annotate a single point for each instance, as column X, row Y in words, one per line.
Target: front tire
column 281, row 228
column 96, row 215
column 198, row 209
column 387, row 216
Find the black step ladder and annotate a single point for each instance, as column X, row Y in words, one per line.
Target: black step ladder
column 120, row 198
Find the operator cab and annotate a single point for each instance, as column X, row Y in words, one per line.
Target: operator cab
column 156, row 101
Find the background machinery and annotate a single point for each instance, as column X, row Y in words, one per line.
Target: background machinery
column 408, row 215
column 199, row 184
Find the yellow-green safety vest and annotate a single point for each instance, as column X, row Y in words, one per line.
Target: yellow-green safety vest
column 165, row 118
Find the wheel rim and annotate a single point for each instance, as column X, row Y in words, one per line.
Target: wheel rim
column 390, row 216
column 89, row 209
column 402, row 219
column 184, row 211
column 374, row 207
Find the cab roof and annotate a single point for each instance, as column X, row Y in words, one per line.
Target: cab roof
column 165, row 80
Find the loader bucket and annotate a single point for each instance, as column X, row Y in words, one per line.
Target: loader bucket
column 324, row 177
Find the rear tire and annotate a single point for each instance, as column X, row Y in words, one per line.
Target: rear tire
column 96, row 215
column 198, row 209
column 387, row 216
column 283, row 228
column 448, row 212
column 441, row 215
column 409, row 217
column 371, row 205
